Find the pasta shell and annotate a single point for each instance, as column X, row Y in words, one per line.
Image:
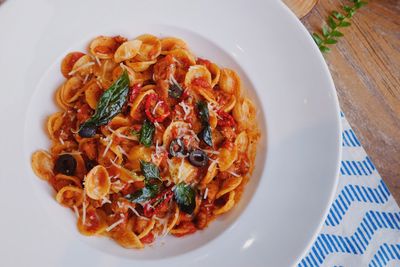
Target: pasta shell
column 97, row 183
column 92, row 223
column 228, row 205
column 80, row 165
column 198, row 72
column 150, row 48
column 103, row 47
column 93, row 93
column 173, row 220
column 138, row 100
column 69, row 179
column 230, row 105
column 119, row 121
column 228, row 185
column 174, row 130
column 181, row 170
column 215, row 74
column 127, row 239
column 172, row 43
column 138, row 153
column 139, row 66
column 184, row 58
column 211, row 173
column 54, row 123
column 72, row 90
column 229, row 82
column 147, row 230
column 105, row 73
column 70, row 196
column 244, row 113
column 226, row 158
column 117, row 72
column 42, row 164
column 127, row 50
column 59, row 100
column 83, row 66
column 241, row 142
column 69, row 61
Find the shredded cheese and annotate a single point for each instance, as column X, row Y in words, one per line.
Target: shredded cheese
column 110, row 140
column 72, row 72
column 112, row 226
column 137, row 213
column 97, row 60
column 205, row 193
column 180, row 170
column 76, row 211
column 186, row 109
column 233, row 173
column 215, row 152
column 84, row 207
column 61, row 140
column 86, row 79
column 122, row 150
column 105, row 200
column 156, row 106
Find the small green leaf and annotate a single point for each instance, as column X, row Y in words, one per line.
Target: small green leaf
column 324, row 49
column 317, row 39
column 344, row 24
column 351, row 13
column 325, row 31
column 146, row 193
column 336, row 33
column 347, row 8
column 330, row 41
column 185, row 197
column 331, row 22
column 149, row 170
column 146, row 133
column 360, row 4
column 338, row 15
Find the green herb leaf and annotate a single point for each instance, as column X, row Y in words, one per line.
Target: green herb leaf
column 110, row 103
column 331, row 22
column 175, row 90
column 324, row 49
column 325, row 31
column 336, row 33
column 317, row 39
column 185, row 197
column 330, row 41
column 206, row 134
column 146, row 193
column 360, row 4
column 146, row 133
column 338, row 15
column 344, row 24
column 203, row 112
column 149, row 170
column 347, row 8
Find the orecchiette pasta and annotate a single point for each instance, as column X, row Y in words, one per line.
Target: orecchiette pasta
column 150, row 141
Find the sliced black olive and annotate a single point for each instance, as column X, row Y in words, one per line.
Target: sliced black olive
column 87, row 131
column 176, row 148
column 198, row 158
column 66, row 164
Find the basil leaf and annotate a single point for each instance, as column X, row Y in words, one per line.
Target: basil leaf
column 109, row 105
column 175, row 90
column 146, row 193
column 149, row 170
column 146, row 133
column 203, row 112
column 185, row 197
column 206, row 135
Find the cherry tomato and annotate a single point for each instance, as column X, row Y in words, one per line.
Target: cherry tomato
column 156, row 110
column 225, row 119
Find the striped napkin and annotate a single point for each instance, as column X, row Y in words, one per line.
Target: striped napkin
column 363, row 224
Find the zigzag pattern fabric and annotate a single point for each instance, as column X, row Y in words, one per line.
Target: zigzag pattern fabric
column 362, row 227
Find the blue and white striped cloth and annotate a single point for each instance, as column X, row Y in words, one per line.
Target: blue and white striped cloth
column 363, row 224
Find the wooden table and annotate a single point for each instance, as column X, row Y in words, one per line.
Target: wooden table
column 365, row 66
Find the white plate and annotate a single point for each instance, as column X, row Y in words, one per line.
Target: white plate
column 289, row 194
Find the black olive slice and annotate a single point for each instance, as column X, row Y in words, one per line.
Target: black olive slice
column 66, row 164
column 198, row 158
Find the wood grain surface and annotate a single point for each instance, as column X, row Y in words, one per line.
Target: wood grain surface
column 365, row 66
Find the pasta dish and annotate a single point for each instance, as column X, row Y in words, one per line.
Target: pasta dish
column 150, row 140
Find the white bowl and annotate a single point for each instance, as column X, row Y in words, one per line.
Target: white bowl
column 287, row 198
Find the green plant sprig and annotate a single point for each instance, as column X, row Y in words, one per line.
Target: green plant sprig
column 337, row 20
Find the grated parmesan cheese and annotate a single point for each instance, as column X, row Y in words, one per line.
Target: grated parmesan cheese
column 233, row 173
column 97, row 60
column 186, row 109
column 72, row 72
column 76, row 211
column 86, row 79
column 215, row 152
column 205, row 193
column 110, row 140
column 156, row 106
column 105, row 200
column 61, row 140
column 137, row 213
column 112, row 226
column 84, row 207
